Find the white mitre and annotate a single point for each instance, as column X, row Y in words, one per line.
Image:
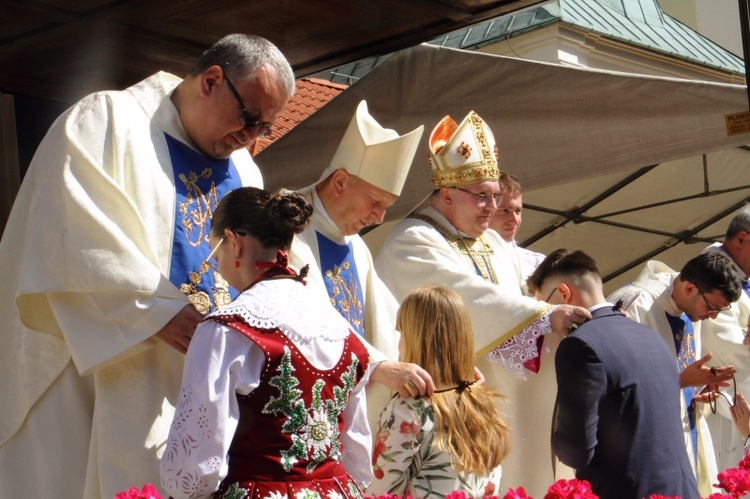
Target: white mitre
column 377, row 155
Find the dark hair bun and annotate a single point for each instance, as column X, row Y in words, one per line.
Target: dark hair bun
column 289, row 212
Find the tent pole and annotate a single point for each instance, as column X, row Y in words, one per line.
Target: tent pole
column 573, row 214
column 685, row 235
column 745, row 28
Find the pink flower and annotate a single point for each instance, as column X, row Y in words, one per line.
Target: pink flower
column 736, row 481
column 745, row 463
column 412, row 429
column 518, row 493
column 659, row 496
column 570, row 489
column 719, row 496
column 455, row 494
column 147, row 492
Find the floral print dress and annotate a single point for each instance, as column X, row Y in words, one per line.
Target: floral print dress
column 407, row 460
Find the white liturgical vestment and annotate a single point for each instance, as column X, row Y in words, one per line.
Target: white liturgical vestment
column 378, row 307
column 653, row 287
column 88, row 393
column 507, row 326
column 724, row 337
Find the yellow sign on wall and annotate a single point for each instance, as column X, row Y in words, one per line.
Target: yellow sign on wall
column 738, row 123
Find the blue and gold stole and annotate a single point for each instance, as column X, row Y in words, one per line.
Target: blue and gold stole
column 684, row 345
column 342, row 281
column 200, row 183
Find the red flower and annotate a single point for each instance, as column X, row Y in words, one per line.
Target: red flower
column 457, row 495
column 745, row 463
column 378, row 473
column 570, row 489
column 379, row 446
column 719, row 496
column 147, row 492
column 411, row 429
column 518, row 493
column 736, row 481
column 659, row 496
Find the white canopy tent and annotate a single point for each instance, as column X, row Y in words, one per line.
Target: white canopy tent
column 589, row 147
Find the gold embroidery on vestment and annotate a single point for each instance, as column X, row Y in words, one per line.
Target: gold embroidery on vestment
column 687, row 350
column 346, row 296
column 196, row 211
column 477, row 251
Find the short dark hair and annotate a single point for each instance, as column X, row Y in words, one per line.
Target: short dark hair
column 271, row 218
column 242, row 55
column 713, row 271
column 509, row 182
column 564, row 263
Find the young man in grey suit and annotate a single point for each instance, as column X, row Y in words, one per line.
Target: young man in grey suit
column 618, row 419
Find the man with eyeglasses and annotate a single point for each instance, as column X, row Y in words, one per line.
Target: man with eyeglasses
column 722, row 336
column 446, row 242
column 103, row 283
column 676, row 305
column 618, row 416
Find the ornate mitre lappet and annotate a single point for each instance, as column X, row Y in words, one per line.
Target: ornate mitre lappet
column 377, row 155
column 463, row 154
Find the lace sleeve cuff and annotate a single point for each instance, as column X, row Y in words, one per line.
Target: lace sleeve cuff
column 522, row 347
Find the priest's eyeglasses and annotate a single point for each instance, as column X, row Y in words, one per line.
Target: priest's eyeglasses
column 249, row 121
column 711, row 308
column 482, row 197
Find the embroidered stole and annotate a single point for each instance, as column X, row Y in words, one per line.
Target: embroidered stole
column 200, row 183
column 342, row 281
column 684, row 344
column 476, row 251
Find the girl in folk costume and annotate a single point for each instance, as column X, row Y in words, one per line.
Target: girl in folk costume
column 272, row 401
column 454, row 440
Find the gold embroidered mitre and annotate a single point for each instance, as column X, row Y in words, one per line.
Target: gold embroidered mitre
column 463, row 154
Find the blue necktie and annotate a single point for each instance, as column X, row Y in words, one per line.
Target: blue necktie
column 684, row 344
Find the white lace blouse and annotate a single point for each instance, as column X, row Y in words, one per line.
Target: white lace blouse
column 222, row 362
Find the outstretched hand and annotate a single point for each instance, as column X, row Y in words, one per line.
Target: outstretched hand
column 699, row 374
column 178, row 332
column 409, row 380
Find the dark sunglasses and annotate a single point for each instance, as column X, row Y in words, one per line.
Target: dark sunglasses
column 248, row 120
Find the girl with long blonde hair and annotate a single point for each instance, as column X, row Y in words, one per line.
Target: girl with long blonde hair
column 455, row 440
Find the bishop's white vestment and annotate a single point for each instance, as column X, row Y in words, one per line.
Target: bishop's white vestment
column 429, row 251
column 102, row 248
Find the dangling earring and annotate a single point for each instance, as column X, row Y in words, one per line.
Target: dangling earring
column 236, row 264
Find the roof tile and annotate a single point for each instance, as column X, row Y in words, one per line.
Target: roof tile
column 310, row 95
